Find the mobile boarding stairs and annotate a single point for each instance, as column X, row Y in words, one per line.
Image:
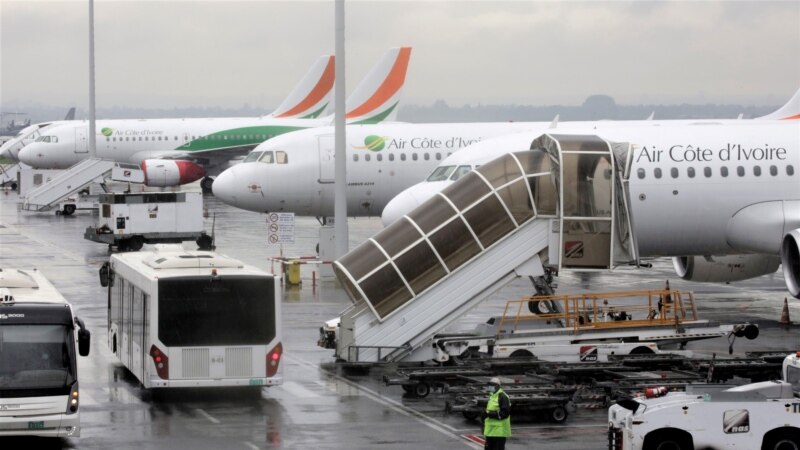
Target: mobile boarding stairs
column 563, row 204
column 76, row 178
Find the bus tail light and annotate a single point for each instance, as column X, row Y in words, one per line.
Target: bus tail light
column 72, row 401
column 274, row 359
column 161, row 361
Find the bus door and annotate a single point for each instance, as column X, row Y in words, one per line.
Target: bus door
column 137, row 334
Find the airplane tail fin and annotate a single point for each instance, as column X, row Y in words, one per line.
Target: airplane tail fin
column 310, row 97
column 375, row 99
column 70, row 114
column 789, row 111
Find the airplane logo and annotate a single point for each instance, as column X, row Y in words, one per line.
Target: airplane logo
column 107, row 131
column 373, row 143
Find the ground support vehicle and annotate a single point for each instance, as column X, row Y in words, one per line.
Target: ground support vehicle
column 762, row 415
column 181, row 318
column 128, row 221
column 39, row 392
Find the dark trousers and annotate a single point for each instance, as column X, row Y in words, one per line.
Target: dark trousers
column 494, row 443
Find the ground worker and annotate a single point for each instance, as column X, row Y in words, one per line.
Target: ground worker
column 497, row 417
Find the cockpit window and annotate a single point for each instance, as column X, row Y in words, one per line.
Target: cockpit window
column 793, row 378
column 51, row 139
column 441, row 173
column 253, row 156
column 460, row 172
column 281, row 157
column 267, row 158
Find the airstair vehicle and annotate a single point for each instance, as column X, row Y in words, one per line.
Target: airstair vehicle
column 562, row 205
column 76, row 178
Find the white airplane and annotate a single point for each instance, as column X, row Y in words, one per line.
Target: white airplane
column 183, row 150
column 723, row 201
column 10, row 148
column 294, row 172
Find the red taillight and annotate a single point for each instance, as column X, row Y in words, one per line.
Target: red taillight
column 161, row 361
column 274, row 359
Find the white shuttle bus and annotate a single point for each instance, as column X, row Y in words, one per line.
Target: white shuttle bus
column 38, row 366
column 181, row 318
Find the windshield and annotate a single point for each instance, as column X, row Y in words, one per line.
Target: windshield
column 220, row 311
column 793, row 377
column 441, row 173
column 266, row 158
column 36, row 357
column 460, row 172
column 253, row 156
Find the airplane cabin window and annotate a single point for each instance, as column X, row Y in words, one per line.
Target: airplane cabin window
column 757, row 171
column 460, row 172
column 281, row 157
column 740, row 171
column 379, row 157
column 253, row 156
column 267, row 158
column 438, row 156
column 690, row 172
column 427, row 157
column 657, row 172
column 441, row 173
column 367, row 157
column 790, row 170
column 355, row 157
column 402, row 156
column 773, row 170
column 108, row 139
column 640, row 173
column 674, row 172
column 391, row 156
column 414, row 156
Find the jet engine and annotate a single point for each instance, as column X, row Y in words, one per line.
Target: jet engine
column 790, row 258
column 724, row 268
column 170, row 172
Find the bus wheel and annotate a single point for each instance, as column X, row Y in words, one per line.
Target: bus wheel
column 520, row 354
column 135, row 243
column 69, row 210
column 642, row 351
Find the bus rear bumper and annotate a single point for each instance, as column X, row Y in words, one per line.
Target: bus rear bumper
column 60, row 425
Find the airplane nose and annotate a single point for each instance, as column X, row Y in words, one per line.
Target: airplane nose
column 404, row 202
column 236, row 187
column 32, row 155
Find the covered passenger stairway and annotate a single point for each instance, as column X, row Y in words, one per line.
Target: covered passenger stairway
column 561, row 205
column 72, row 180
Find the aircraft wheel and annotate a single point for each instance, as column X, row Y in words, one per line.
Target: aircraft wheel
column 206, row 184
column 69, row 210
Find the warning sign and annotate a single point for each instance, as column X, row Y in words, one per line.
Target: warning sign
column 588, row 353
column 280, row 228
column 573, row 249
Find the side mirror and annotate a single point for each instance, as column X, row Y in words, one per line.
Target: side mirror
column 105, row 274
column 84, row 338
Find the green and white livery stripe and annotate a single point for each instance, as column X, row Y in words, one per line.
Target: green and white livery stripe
column 236, row 137
column 376, row 118
column 316, row 113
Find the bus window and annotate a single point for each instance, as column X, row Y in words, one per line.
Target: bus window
column 281, row 157
column 441, row 173
column 460, row 172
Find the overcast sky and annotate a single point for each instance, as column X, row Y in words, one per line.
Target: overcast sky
column 159, row 54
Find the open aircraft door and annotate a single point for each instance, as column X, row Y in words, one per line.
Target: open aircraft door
column 593, row 230
column 81, row 143
column 326, row 159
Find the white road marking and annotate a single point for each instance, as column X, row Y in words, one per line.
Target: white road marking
column 399, row 408
column 207, row 416
column 250, row 445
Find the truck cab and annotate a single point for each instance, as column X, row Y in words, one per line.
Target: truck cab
column 763, row 415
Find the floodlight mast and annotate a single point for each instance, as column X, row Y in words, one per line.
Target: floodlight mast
column 340, row 159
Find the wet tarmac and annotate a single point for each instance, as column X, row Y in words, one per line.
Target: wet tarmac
column 318, row 406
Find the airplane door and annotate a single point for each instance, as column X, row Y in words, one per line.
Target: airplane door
column 326, row 159
column 81, row 143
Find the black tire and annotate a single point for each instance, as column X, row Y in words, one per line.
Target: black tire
column 784, row 440
column 206, row 185
column 135, row 243
column 122, row 245
column 69, row 210
column 469, row 415
column 558, row 414
column 541, row 307
column 14, row 186
column 642, row 351
column 422, row 389
column 204, row 242
column 668, row 440
column 520, row 354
